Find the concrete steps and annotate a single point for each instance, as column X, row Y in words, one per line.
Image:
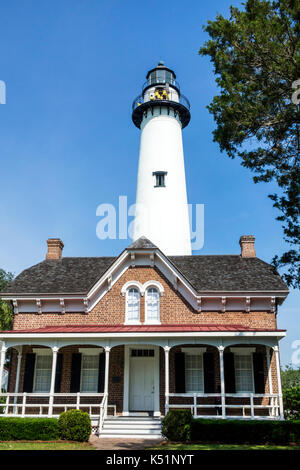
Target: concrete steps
column 134, row 427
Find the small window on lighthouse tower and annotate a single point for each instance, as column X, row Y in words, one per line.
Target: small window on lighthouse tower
column 159, row 178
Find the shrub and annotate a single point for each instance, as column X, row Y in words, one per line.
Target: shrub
column 75, row 425
column 29, row 429
column 2, row 408
column 176, row 425
column 294, row 431
column 291, row 402
column 229, row 431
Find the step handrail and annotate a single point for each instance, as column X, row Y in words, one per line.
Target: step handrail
column 103, row 412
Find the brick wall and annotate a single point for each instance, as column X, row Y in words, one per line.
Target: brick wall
column 115, row 371
column 173, row 309
column 217, row 384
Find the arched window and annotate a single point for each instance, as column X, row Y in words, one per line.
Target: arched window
column 152, row 305
column 132, row 305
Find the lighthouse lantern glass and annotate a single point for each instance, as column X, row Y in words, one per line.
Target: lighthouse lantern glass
column 161, row 76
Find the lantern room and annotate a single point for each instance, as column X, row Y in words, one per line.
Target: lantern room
column 161, row 88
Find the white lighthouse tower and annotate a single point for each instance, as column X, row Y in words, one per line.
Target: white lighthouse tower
column 161, row 112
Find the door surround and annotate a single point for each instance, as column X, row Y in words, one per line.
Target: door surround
column 128, row 347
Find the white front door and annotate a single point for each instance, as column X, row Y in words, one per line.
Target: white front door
column 141, row 383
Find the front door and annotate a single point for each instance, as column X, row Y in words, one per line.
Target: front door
column 141, row 380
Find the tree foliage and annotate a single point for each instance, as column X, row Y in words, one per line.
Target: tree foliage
column 256, row 58
column 290, row 377
column 291, row 402
column 6, row 313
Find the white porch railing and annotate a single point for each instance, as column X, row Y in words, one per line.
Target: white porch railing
column 220, row 403
column 50, row 404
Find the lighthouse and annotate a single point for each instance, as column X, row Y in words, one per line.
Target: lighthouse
column 161, row 112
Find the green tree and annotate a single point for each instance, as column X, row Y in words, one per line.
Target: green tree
column 290, row 377
column 291, row 402
column 6, row 312
column 256, row 58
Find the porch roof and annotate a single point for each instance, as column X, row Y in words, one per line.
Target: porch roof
column 142, row 329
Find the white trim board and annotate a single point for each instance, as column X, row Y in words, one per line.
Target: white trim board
column 108, row 336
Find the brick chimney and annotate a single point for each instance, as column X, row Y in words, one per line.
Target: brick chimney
column 247, row 246
column 55, row 247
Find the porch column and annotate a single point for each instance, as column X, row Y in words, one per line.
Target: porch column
column 167, row 383
column 269, row 370
column 52, row 385
column 271, row 401
column 2, row 362
column 19, row 350
column 276, row 351
column 106, row 375
column 18, row 369
column 222, row 380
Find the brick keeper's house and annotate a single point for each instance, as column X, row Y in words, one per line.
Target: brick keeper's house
column 127, row 338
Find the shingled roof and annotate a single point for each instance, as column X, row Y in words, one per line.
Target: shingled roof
column 142, row 243
column 228, row 273
column 204, row 272
column 64, row 276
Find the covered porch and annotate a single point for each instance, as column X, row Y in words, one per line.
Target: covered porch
column 105, row 371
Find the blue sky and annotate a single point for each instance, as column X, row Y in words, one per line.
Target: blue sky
column 67, row 143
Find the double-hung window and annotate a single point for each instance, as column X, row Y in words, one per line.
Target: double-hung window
column 194, row 381
column 89, row 373
column 43, row 369
column 133, row 305
column 244, row 381
column 152, row 305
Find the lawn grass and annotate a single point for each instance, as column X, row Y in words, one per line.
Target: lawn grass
column 201, row 446
column 45, row 445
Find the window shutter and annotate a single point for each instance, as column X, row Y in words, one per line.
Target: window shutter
column 229, row 372
column 75, row 373
column 209, row 372
column 258, row 369
column 101, row 375
column 29, row 373
column 179, row 372
column 58, row 372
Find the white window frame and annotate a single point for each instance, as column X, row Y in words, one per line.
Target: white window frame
column 194, row 352
column 152, row 321
column 89, row 352
column 244, row 352
column 39, row 353
column 127, row 320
